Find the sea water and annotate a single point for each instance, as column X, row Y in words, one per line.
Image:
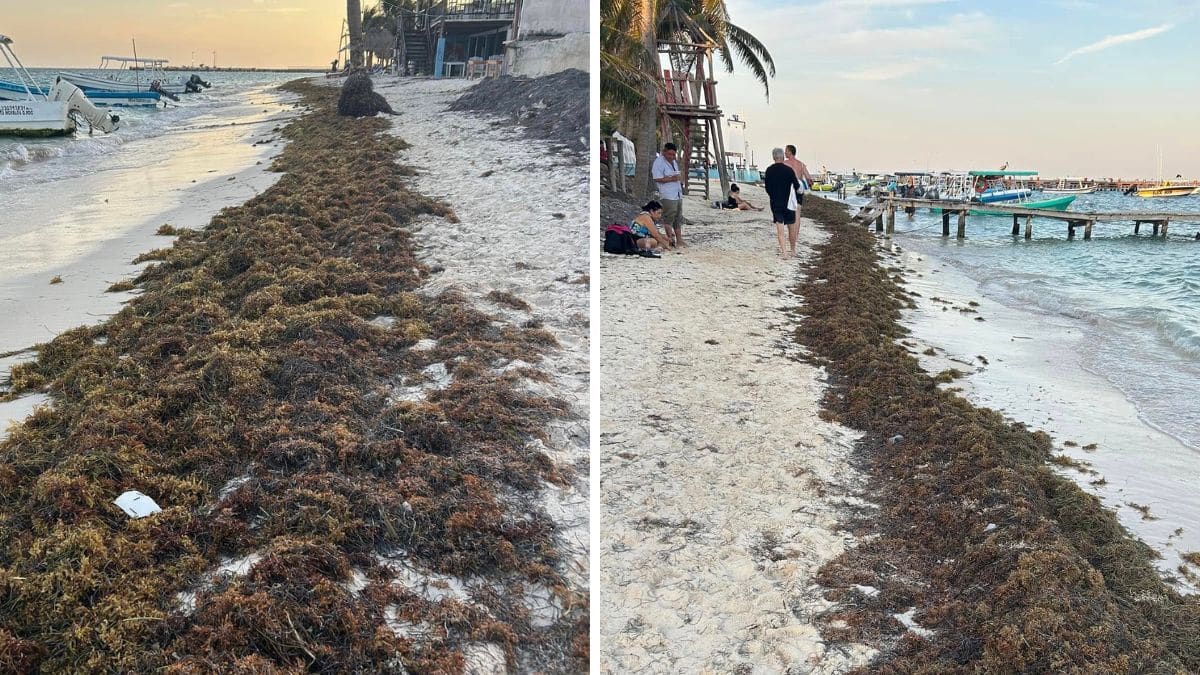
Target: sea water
column 230, row 100
column 1093, row 341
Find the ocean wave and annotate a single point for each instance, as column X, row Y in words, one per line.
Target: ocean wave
column 25, row 162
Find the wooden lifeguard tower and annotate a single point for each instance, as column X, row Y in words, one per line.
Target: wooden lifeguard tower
column 688, row 98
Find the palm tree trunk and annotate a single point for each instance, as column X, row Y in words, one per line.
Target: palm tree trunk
column 647, row 135
column 354, row 21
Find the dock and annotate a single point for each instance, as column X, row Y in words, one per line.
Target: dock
column 882, row 211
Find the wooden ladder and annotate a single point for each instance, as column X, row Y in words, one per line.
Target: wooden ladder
column 698, row 160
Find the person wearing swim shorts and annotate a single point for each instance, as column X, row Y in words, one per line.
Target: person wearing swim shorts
column 781, row 184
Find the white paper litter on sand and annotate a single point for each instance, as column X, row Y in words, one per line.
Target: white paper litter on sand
column 136, row 504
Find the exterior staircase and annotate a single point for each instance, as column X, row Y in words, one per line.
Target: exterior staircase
column 416, row 50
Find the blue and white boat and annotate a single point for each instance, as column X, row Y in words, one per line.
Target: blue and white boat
column 132, row 74
column 13, row 91
column 38, row 112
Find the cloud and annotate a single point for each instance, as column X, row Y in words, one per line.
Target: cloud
column 960, row 32
column 891, row 71
column 1114, row 40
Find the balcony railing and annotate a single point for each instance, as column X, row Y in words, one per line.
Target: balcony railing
column 477, row 10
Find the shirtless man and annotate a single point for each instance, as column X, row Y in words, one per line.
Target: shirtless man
column 806, row 180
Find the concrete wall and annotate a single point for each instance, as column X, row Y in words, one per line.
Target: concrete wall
column 554, row 36
column 535, row 58
column 555, row 17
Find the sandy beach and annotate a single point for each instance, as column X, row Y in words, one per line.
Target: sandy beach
column 508, row 191
column 721, row 487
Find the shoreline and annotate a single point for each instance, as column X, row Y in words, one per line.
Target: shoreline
column 349, row 476
column 1094, row 424
column 1009, row 564
column 116, row 229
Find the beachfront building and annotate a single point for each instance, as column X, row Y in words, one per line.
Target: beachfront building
column 551, row 36
column 469, row 38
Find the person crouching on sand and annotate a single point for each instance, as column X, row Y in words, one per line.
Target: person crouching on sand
column 648, row 236
column 781, row 184
column 735, row 200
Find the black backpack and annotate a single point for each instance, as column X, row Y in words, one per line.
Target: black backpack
column 619, row 240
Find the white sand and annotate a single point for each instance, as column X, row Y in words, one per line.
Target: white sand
column 721, row 488
column 507, row 218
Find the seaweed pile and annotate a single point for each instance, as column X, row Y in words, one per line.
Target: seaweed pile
column 250, row 390
column 553, row 108
column 358, row 98
column 1012, row 567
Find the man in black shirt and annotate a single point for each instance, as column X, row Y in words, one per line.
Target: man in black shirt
column 781, row 184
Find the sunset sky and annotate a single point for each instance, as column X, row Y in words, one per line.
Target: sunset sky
column 1069, row 87
column 258, row 33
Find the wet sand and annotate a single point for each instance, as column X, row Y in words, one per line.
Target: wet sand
column 1034, row 374
column 87, row 230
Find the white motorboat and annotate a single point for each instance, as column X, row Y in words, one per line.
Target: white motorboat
column 132, row 74
column 53, row 112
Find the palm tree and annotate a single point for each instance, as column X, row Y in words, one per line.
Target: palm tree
column 630, row 32
column 354, row 22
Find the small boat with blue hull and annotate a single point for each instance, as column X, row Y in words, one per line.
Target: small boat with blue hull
column 12, row 91
column 999, row 187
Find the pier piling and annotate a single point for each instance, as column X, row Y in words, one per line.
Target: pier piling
column 891, row 219
column 1074, row 219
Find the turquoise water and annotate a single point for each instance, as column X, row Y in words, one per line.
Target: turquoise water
column 1136, row 298
column 230, row 100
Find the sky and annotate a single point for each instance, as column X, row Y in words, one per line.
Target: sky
column 248, row 33
column 1067, row 87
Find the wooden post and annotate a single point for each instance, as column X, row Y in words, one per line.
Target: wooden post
column 1016, row 226
column 1165, row 229
column 1137, row 226
column 1087, row 229
column 1156, row 228
column 1028, row 227
column 614, row 164
column 945, row 223
column 962, row 224
column 1070, row 229
column 879, row 223
column 891, row 218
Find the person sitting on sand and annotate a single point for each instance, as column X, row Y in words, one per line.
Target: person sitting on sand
column 648, row 236
column 735, row 200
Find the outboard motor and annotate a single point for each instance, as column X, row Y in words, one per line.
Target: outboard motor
column 79, row 105
column 157, row 86
column 194, row 84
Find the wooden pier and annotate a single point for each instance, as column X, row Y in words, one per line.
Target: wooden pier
column 883, row 212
